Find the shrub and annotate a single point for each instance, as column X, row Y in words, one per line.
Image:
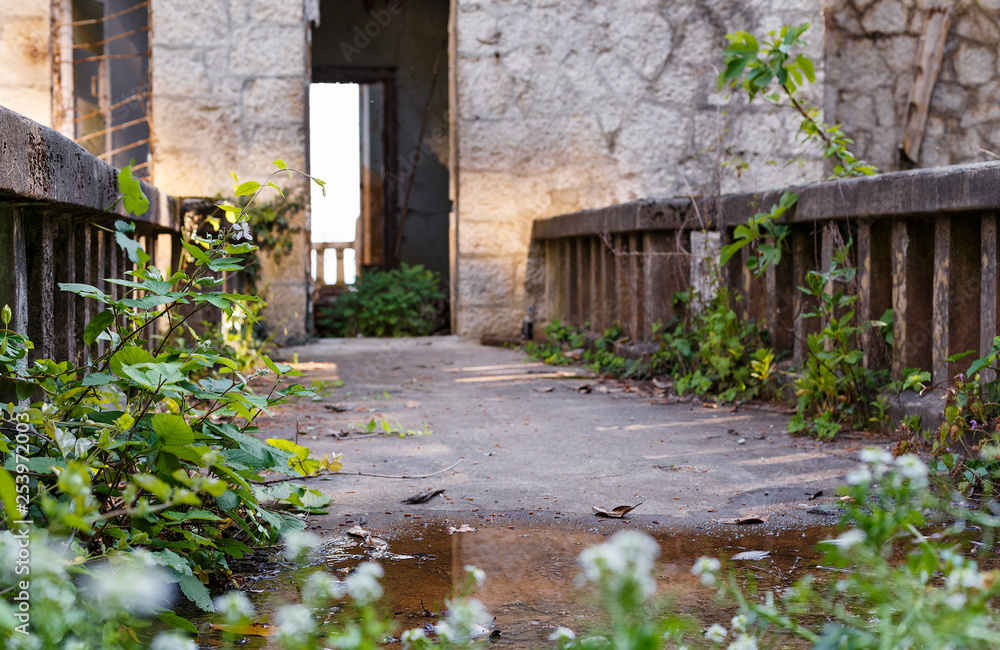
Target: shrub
column 399, row 302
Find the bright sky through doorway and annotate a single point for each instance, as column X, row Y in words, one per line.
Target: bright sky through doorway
column 334, row 158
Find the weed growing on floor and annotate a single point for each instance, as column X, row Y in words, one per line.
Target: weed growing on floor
column 407, row 301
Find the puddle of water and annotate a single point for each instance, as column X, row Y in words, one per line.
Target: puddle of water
column 529, row 572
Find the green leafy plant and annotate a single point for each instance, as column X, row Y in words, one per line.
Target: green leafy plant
column 754, row 65
column 834, row 388
column 712, row 351
column 398, row 302
column 763, row 234
column 147, row 449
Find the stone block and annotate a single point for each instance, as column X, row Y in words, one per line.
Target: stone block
column 486, row 89
column 975, row 64
column 279, row 99
column 180, row 71
column 885, row 17
column 191, row 22
column 266, row 49
column 493, row 237
column 486, row 280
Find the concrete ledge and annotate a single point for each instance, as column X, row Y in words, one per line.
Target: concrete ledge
column 41, row 166
column 916, row 193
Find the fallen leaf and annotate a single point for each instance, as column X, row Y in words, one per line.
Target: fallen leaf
column 374, row 542
column 411, row 404
column 337, row 408
column 545, row 389
column 662, row 384
column 358, row 531
column 602, row 389
column 751, row 555
column 451, row 530
column 816, row 495
column 746, row 520
column 584, row 389
column 615, row 513
column 423, row 498
column 246, row 630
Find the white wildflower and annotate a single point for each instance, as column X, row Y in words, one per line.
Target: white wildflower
column 744, row 642
column 716, row 633
column 362, row 584
column 624, row 560
column 861, row 476
column 874, row 456
column 409, row 637
column 234, row 607
column 172, row 641
column 477, row 574
column 739, row 623
column 965, row 577
column 706, row 567
column 562, row 634
column 322, row 587
column 294, row 622
column 465, row 621
column 132, row 587
column 912, row 468
column 955, row 601
column 298, row 543
column 848, row 538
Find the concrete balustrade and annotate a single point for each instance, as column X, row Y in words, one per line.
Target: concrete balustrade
column 924, row 243
column 51, row 195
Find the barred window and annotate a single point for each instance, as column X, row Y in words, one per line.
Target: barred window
column 104, row 88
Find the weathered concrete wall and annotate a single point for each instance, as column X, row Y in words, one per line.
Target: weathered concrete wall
column 229, row 81
column 575, row 105
column 405, row 36
column 26, row 72
column 871, row 50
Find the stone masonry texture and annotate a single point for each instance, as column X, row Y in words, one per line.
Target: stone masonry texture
column 564, row 106
column 871, row 49
column 26, row 71
column 229, row 81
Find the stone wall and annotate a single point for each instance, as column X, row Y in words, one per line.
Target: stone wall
column 26, row 72
column 871, row 49
column 230, row 79
column 575, row 105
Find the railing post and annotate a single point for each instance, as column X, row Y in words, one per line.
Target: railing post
column 988, row 290
column 38, row 248
column 340, row 266
column 320, row 264
column 64, row 302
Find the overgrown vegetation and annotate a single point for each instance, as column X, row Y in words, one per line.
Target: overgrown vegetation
column 407, row 301
column 144, row 456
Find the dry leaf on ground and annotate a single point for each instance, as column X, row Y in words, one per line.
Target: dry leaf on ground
column 752, row 555
column 411, row 404
column 754, row 519
column 615, row 513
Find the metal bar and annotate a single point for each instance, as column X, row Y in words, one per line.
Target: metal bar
column 94, row 21
column 84, row 46
column 132, row 98
column 111, row 129
column 125, row 148
column 106, row 57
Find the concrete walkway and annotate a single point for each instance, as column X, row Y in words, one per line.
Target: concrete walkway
column 530, row 445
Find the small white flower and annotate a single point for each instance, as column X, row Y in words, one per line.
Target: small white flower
column 477, row 574
column 874, row 455
column 298, row 543
column 861, row 476
column 716, row 633
column 562, row 634
column 133, row 587
column 362, row 584
column 706, row 567
column 172, row 641
column 912, row 468
column 739, row 623
column 234, row 607
column 966, row 577
column 466, row 620
column 241, row 230
column 744, row 642
column 295, row 621
column 955, row 601
column 626, row 560
column 322, row 587
column 409, row 637
column 848, row 538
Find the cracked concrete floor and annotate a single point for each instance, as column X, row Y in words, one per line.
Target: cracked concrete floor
column 531, row 446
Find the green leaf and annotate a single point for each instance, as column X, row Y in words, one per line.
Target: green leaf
column 172, row 429
column 98, row 379
column 98, row 324
column 131, row 247
column 195, row 251
column 227, row 501
column 147, row 302
column 133, row 198
column 129, row 355
column 197, row 593
column 153, row 485
column 246, row 188
column 280, row 164
column 25, row 390
column 226, row 264
column 8, row 493
column 176, row 621
column 85, row 290
column 6, row 315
